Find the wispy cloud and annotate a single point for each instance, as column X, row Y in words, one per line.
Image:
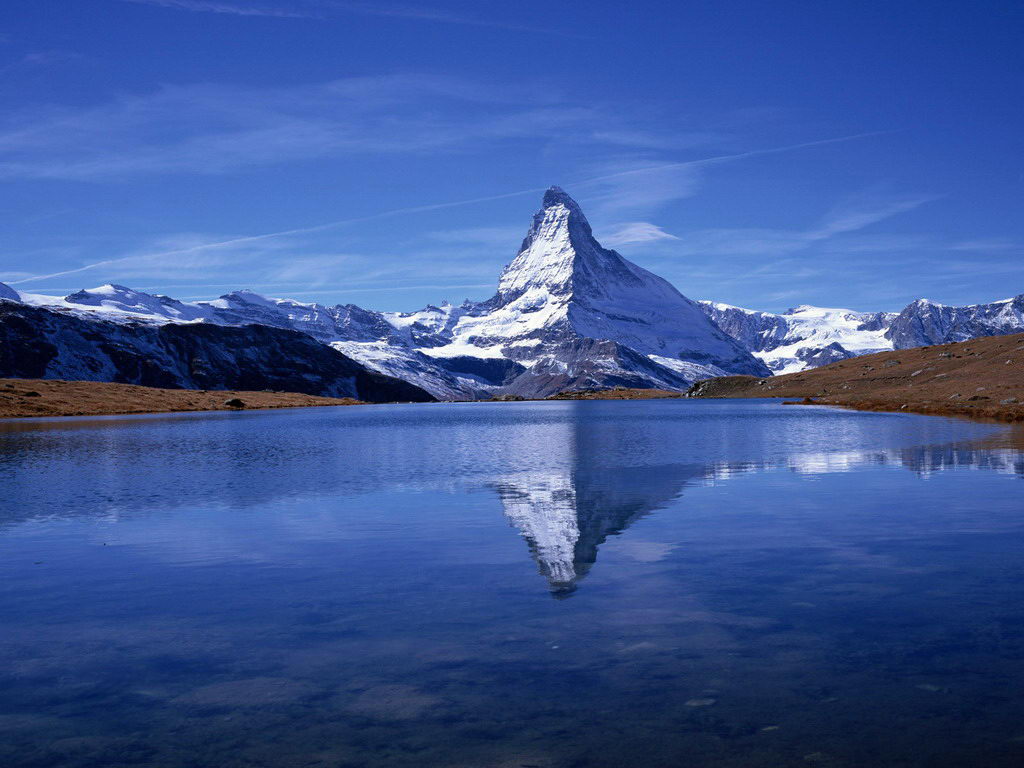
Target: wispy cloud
column 640, row 185
column 188, row 250
column 401, row 11
column 216, row 129
column 851, row 217
column 478, row 236
column 986, row 244
column 636, row 232
column 320, row 9
column 40, row 59
column 215, row 6
column 844, row 219
column 637, row 187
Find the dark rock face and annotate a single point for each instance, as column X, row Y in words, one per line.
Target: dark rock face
column 824, row 355
column 24, row 353
column 592, row 364
column 493, row 371
column 39, row 343
column 876, row 322
column 925, row 323
column 756, row 331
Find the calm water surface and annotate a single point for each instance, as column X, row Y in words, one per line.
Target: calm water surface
column 665, row 583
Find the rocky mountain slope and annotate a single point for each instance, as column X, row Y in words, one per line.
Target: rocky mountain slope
column 809, row 337
column 571, row 314
column 38, row 343
column 567, row 315
column 927, row 322
column 803, row 337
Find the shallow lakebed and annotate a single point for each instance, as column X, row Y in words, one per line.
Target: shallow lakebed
column 656, row 583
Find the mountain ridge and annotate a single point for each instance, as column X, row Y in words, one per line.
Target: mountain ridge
column 567, row 314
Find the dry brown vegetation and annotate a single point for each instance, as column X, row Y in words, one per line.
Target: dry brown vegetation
column 981, row 378
column 43, row 397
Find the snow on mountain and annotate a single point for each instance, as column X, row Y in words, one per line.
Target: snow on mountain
column 805, row 336
column 927, row 322
column 567, row 314
column 575, row 314
column 120, row 304
column 46, row 343
column 385, row 343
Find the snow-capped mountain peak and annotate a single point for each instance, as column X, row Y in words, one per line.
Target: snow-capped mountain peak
column 556, row 246
column 568, row 313
column 563, row 294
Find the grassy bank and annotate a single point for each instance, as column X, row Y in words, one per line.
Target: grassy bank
column 982, row 378
column 44, row 397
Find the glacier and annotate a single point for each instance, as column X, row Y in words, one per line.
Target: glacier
column 804, row 336
column 807, row 336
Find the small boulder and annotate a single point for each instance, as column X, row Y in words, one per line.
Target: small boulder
column 234, row 402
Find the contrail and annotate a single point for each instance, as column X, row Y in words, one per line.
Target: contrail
column 439, row 206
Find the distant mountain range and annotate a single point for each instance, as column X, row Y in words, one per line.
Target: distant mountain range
column 808, row 337
column 567, row 314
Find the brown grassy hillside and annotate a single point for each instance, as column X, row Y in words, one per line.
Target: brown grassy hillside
column 982, row 378
column 42, row 397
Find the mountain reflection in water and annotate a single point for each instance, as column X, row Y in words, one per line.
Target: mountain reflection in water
column 327, row 587
column 566, row 516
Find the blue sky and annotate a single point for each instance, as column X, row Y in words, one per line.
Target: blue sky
column 857, row 154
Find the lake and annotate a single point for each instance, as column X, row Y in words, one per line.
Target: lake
column 509, row 585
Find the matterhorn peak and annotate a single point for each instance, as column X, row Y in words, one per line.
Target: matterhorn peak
column 554, row 251
column 563, row 208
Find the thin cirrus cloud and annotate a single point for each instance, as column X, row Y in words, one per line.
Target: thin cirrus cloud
column 636, row 232
column 842, row 220
column 325, row 9
column 227, row 245
column 213, row 129
column 232, row 9
column 39, row 59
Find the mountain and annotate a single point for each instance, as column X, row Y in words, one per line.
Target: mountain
column 567, row 314
column 574, row 315
column 926, row 322
column 805, row 336
column 45, row 344
column 808, row 337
